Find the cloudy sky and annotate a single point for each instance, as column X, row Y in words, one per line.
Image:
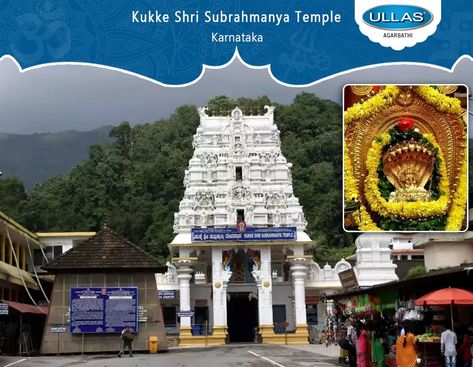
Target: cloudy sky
column 80, row 97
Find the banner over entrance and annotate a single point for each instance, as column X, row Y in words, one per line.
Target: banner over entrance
column 251, row 234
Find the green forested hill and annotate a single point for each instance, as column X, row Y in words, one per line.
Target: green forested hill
column 134, row 185
column 34, row 158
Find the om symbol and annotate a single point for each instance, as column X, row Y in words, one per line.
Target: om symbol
column 42, row 35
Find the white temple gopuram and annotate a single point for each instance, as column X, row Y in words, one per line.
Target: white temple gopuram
column 242, row 266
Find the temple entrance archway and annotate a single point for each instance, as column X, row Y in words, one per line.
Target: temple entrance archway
column 242, row 317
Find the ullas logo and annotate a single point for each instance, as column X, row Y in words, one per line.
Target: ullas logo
column 397, row 17
column 402, row 24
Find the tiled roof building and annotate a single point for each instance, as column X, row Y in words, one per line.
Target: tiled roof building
column 105, row 250
column 111, row 264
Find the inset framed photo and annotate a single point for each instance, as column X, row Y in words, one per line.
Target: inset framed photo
column 405, row 158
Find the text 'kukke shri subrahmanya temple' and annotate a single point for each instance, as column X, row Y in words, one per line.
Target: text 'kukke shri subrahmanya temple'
column 242, row 264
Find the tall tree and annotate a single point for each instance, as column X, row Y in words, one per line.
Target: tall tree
column 12, row 192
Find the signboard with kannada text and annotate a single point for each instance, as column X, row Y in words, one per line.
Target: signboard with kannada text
column 250, row 234
column 103, row 310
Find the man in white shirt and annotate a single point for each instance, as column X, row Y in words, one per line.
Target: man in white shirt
column 448, row 341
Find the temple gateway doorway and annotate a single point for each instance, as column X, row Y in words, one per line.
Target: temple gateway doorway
column 242, row 317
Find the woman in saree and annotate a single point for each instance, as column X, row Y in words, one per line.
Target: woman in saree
column 378, row 349
column 362, row 349
column 406, row 352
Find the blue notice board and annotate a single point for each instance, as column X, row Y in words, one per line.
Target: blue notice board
column 250, row 234
column 103, row 310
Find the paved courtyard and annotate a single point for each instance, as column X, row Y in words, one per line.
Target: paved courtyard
column 248, row 355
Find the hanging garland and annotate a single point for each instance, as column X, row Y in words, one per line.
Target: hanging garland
column 439, row 100
column 424, row 214
column 457, row 212
column 374, row 104
column 350, row 182
column 364, row 220
column 405, row 215
column 361, row 215
column 387, row 95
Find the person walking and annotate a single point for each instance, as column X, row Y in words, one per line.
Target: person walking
column 448, row 342
column 127, row 337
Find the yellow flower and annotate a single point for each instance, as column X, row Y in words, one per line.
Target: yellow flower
column 370, row 106
column 361, row 216
column 350, row 183
column 439, row 100
column 457, row 211
column 364, row 221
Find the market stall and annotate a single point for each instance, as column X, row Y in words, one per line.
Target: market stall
column 429, row 343
column 392, row 306
column 375, row 312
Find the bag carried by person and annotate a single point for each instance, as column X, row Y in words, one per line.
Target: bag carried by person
column 127, row 336
column 345, row 344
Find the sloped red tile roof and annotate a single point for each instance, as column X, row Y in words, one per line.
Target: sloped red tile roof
column 26, row 308
column 104, row 251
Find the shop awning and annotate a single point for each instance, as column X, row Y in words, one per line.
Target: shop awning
column 14, row 275
column 26, row 308
column 446, row 296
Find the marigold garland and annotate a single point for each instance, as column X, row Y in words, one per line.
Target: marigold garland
column 372, row 105
column 364, row 221
column 457, row 211
column 439, row 100
column 361, row 215
column 403, row 210
column 350, row 182
column 386, row 96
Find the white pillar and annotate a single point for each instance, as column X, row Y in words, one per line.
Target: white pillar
column 299, row 272
column 184, row 275
column 265, row 294
column 265, row 289
column 218, row 302
column 220, row 279
column 225, row 278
